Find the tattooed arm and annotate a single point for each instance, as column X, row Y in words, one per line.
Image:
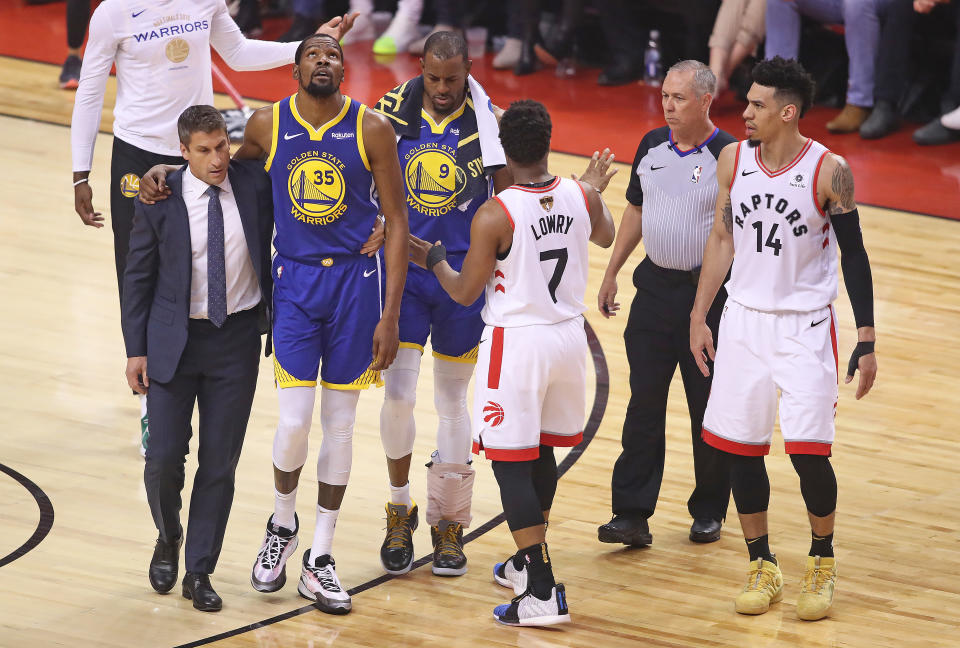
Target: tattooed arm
column 717, row 257
column 835, row 185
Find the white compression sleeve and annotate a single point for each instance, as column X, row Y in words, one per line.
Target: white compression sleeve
column 338, row 411
column 88, row 104
column 397, row 427
column 450, row 382
column 295, row 405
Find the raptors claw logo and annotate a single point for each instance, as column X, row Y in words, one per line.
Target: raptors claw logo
column 493, row 414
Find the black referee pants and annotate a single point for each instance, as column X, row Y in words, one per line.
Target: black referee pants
column 658, row 339
column 127, row 165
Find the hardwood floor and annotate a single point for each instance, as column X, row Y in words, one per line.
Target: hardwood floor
column 69, row 425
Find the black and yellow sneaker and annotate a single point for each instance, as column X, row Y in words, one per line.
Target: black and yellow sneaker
column 396, row 553
column 448, row 556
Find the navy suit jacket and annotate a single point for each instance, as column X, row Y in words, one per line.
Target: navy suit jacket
column 155, row 311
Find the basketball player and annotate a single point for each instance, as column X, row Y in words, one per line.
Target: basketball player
column 326, row 155
column 784, row 206
column 447, row 144
column 162, row 54
column 528, row 255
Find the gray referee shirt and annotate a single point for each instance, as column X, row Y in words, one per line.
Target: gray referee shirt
column 678, row 193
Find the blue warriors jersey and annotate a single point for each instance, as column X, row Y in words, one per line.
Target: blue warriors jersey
column 323, row 192
column 433, row 180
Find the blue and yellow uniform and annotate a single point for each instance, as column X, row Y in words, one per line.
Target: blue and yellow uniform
column 327, row 297
column 432, row 181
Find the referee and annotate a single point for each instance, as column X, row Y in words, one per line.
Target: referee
column 672, row 196
column 162, row 55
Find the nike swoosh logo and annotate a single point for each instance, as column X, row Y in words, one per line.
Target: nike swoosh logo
column 138, row 13
column 653, row 168
column 752, row 541
column 367, row 273
column 746, row 173
column 819, row 323
column 482, row 341
column 288, row 136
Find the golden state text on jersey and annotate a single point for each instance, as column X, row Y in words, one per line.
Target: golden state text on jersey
column 323, row 190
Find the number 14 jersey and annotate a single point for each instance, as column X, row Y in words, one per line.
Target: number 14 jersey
column 542, row 278
column 785, row 255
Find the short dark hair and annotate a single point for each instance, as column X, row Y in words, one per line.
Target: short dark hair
column 791, row 82
column 525, row 131
column 446, row 45
column 303, row 45
column 199, row 118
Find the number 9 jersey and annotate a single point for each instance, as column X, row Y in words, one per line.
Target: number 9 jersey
column 785, row 257
column 542, row 278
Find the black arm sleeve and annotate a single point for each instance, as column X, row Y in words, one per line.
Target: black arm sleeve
column 855, row 266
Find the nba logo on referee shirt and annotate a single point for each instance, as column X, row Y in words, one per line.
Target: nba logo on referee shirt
column 493, row 414
column 697, row 170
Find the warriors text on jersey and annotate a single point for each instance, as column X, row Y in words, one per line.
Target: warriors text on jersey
column 323, row 191
column 785, row 256
column 543, row 276
column 433, row 181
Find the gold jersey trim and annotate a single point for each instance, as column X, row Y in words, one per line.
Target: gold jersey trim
column 439, row 129
column 411, row 345
column 284, row 379
column 317, row 134
column 360, row 145
column 368, row 378
column 275, row 133
column 470, row 357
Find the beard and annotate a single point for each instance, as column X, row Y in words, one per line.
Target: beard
column 321, row 89
column 753, row 143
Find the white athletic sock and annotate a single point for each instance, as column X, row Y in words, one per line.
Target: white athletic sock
column 323, row 532
column 143, row 405
column 400, row 495
column 284, row 507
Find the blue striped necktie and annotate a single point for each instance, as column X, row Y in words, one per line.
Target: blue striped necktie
column 216, row 263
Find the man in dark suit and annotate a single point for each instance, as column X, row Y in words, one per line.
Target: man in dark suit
column 195, row 298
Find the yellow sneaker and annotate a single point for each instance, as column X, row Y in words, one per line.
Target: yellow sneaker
column 819, row 583
column 764, row 586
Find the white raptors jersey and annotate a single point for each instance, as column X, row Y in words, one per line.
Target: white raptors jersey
column 785, row 256
column 543, row 277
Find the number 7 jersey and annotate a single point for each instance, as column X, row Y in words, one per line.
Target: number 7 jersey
column 542, row 278
column 785, row 255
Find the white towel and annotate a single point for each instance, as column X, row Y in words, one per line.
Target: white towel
column 487, row 127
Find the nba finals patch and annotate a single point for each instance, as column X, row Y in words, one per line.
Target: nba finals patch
column 433, row 178
column 547, row 203
column 178, row 50
column 130, row 185
column 316, row 187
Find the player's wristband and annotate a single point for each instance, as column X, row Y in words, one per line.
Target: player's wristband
column 81, row 181
column 862, row 349
column 436, row 254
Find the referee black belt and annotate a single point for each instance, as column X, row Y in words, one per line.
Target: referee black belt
column 671, row 275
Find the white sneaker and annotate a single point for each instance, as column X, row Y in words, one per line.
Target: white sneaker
column 528, row 610
column 319, row 583
column 270, row 570
column 363, row 30
column 401, row 32
column 506, row 574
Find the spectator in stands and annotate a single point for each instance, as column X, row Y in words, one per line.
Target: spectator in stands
column 738, row 30
column 449, row 17
column 946, row 128
column 862, row 31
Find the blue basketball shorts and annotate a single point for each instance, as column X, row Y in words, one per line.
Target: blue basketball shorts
column 428, row 311
column 326, row 312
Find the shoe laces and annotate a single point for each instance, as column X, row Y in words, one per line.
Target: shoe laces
column 272, row 550
column 326, row 576
column 398, row 529
column 758, row 580
column 815, row 579
column 449, row 544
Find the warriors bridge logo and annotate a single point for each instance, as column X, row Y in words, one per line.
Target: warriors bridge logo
column 433, row 179
column 316, row 187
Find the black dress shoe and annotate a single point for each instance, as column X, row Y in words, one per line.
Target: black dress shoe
column 197, row 587
column 705, row 530
column 618, row 74
column 935, row 133
column 629, row 531
column 883, row 121
column 164, row 564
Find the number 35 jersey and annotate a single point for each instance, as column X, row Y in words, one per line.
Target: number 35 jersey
column 542, row 278
column 323, row 191
column 785, row 255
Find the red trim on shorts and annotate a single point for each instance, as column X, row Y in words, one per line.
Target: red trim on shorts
column 816, row 174
column 586, row 203
column 833, row 339
column 549, row 187
column 513, row 225
column 559, row 440
column 477, row 447
column 793, row 163
column 512, row 454
column 496, row 359
column 742, row 449
column 808, row 448
column 736, row 163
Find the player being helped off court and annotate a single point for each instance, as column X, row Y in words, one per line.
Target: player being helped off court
column 785, row 204
column 528, row 256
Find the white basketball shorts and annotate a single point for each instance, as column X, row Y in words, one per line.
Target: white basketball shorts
column 758, row 353
column 530, row 389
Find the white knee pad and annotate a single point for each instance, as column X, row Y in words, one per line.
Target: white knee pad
column 338, row 411
column 293, row 427
column 397, row 427
column 449, row 492
column 450, row 381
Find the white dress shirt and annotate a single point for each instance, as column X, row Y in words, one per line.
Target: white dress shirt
column 162, row 52
column 243, row 289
